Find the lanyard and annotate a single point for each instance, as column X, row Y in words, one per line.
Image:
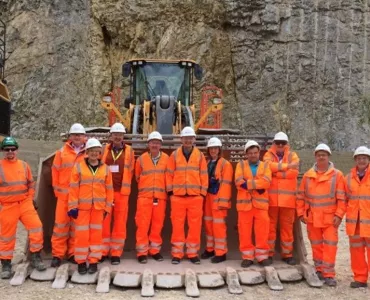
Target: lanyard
column 116, row 157
column 92, row 170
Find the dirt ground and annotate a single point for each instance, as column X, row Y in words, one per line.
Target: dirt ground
column 297, row 291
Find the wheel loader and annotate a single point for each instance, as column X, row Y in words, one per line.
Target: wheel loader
column 161, row 98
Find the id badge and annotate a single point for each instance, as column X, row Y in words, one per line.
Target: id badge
column 114, row 168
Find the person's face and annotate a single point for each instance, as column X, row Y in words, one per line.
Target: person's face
column 253, row 154
column 94, row 153
column 322, row 158
column 154, row 146
column 77, row 139
column 188, row 141
column 214, row 152
column 362, row 161
column 280, row 145
column 117, row 137
column 10, row 152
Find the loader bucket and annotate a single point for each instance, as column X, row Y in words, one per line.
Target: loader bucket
column 233, row 151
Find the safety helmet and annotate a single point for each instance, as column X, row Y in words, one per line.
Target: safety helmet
column 214, row 142
column 187, row 131
column 281, row 136
column 77, row 128
column 118, row 127
column 323, row 147
column 362, row 150
column 155, row 135
column 250, row 144
column 9, row 142
column 92, row 143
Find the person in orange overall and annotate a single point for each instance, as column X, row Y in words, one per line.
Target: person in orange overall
column 121, row 160
column 62, row 240
column 90, row 201
column 321, row 205
column 220, row 174
column 252, row 180
column 284, row 165
column 357, row 184
column 187, row 183
column 151, row 202
column 16, row 204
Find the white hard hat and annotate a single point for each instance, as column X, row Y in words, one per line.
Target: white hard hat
column 323, row 147
column 77, row 128
column 118, row 127
column 281, row 136
column 155, row 135
column 251, row 143
column 92, row 143
column 214, row 142
column 187, row 131
column 362, row 150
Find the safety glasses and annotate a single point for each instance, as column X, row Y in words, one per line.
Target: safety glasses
column 10, row 149
column 281, row 143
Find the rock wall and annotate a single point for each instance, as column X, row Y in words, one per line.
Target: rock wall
column 301, row 66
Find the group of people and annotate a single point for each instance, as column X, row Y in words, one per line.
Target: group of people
column 92, row 185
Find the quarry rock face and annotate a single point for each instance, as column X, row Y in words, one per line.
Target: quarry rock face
column 292, row 65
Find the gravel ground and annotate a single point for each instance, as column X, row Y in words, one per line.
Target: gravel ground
column 298, row 291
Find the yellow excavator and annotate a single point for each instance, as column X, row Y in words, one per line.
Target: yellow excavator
column 5, row 107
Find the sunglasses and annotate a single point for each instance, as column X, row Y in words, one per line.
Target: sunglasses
column 281, row 143
column 10, row 149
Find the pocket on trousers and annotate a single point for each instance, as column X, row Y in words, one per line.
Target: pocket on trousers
column 328, row 218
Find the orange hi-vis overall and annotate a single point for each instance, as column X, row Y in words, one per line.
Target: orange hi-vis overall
column 252, row 207
column 62, row 240
column 320, row 197
column 282, row 196
column 358, row 223
column 215, row 209
column 16, row 204
column 122, row 166
column 151, row 203
column 188, row 181
column 92, row 193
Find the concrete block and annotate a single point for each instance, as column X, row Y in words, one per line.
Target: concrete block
column 309, row 273
column 85, row 278
column 127, row 279
column 232, row 281
column 191, row 287
column 147, row 284
column 289, row 275
column 250, row 277
column 103, row 280
column 61, row 277
column 272, row 279
column 169, row 280
column 22, row 271
column 47, row 275
column 210, row 279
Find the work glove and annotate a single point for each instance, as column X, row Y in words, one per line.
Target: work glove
column 35, row 205
column 260, row 191
column 73, row 213
column 244, row 185
column 214, row 186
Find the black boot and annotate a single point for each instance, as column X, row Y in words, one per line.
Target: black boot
column 115, row 260
column 357, row 284
column 195, row 260
column 157, row 257
column 6, row 271
column 36, row 262
column 290, row 261
column 246, row 263
column 218, row 258
column 55, row 262
column 82, row 268
column 143, row 259
column 207, row 254
column 93, row 268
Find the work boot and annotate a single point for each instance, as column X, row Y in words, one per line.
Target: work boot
column 72, row 260
column 357, row 284
column 103, row 258
column 266, row 262
column 6, row 271
column 143, row 259
column 319, row 274
column 82, row 268
column 175, row 260
column 157, row 257
column 218, row 258
column 290, row 261
column 246, row 263
column 55, row 262
column 115, row 260
column 207, row 254
column 195, row 260
column 330, row 281
column 36, row 262
column 93, row 268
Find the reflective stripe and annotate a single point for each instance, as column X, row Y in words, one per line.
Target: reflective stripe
column 176, row 250
column 285, row 251
column 210, row 244
column 178, row 244
column 150, row 189
column 222, row 200
column 218, row 240
column 155, row 244
column 218, row 220
column 241, row 201
column 142, row 247
column 60, row 234
column 206, row 218
column 271, row 242
column 282, row 192
column 357, row 245
column 118, row 241
column 316, row 242
column 191, row 250
column 106, row 240
column 251, row 252
column 154, row 171
column 365, row 221
column 209, row 237
column 312, row 204
column 73, row 203
column 95, row 247
column 116, row 247
column 220, row 246
column 93, row 180
column 34, row 230
column 12, row 193
column 57, row 225
column 190, row 186
column 13, row 183
column 81, row 249
column 226, row 181
column 353, row 221
column 265, row 177
column 355, row 197
column 37, row 246
column 109, row 187
column 191, row 245
column 65, row 191
column 280, row 166
column 332, row 243
column 96, row 226
column 254, row 186
column 7, row 239
column 6, row 253
column 82, row 227
column 261, row 200
column 318, row 197
column 80, row 257
column 287, row 244
column 95, row 254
